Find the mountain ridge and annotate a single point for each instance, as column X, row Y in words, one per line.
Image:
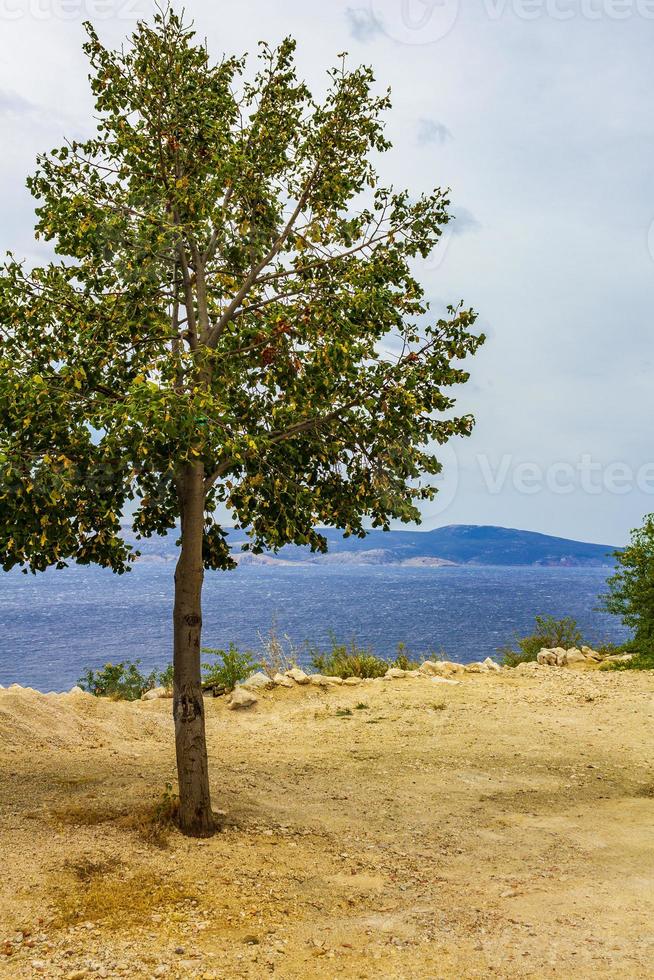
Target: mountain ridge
column 452, row 544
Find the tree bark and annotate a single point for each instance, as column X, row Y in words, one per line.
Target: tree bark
column 195, row 814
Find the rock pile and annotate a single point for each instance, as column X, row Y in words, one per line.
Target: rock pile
column 559, row 657
column 440, row 670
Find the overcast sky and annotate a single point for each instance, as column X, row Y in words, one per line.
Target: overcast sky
column 539, row 118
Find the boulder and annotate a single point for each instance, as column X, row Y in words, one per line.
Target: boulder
column 241, row 698
column 439, row 668
column 475, row 668
column 298, row 675
column 491, row 665
column 258, row 682
column 619, row 658
column 282, row 681
column 574, row 656
column 530, row 667
column 547, row 658
column 394, row 673
column 352, row 681
column 561, row 656
column 320, row 680
column 154, row 694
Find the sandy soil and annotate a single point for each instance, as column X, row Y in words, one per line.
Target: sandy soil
column 500, row 827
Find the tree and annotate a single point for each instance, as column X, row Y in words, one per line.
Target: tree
column 231, row 319
column 631, row 588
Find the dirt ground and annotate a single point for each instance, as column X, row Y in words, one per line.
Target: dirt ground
column 503, row 826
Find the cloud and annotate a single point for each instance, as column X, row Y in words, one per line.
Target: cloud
column 463, row 221
column 432, row 131
column 363, row 24
column 12, row 104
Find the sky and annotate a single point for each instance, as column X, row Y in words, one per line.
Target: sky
column 538, row 115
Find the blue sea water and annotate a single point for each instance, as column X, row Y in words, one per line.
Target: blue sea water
column 56, row 625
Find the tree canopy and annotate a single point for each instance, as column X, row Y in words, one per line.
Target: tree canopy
column 631, row 588
column 232, row 288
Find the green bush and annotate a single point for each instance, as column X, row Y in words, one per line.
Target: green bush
column 165, row 678
column 402, row 659
column 122, row 682
column 232, row 667
column 549, row 633
column 348, row 661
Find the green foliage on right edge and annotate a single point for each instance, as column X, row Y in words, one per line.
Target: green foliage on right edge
column 549, row 633
column 631, row 596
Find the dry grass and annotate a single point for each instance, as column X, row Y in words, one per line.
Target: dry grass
column 153, row 822
column 114, row 900
column 82, row 815
column 85, row 869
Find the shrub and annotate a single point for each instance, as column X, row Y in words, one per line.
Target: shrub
column 165, row 678
column 232, row 667
column 402, row 659
column 122, row 682
column 277, row 652
column 348, row 661
column 549, row 633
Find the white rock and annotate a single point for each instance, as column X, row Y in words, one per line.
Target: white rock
column 440, row 668
column 443, row 680
column 258, row 682
column 575, row 656
column 394, row 673
column 352, row 681
column 298, row 675
column 77, row 690
column 546, row 658
column 530, row 667
column 491, row 665
column 154, row 694
column 242, row 699
column 322, row 680
column 282, row 681
column 475, row 668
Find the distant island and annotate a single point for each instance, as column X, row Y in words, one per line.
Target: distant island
column 455, row 544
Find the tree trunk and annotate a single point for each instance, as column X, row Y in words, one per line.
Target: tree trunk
column 195, row 814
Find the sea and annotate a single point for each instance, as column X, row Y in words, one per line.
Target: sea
column 58, row 624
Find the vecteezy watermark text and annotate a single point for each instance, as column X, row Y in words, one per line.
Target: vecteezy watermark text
column 69, row 10
column 428, row 21
column 585, row 475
